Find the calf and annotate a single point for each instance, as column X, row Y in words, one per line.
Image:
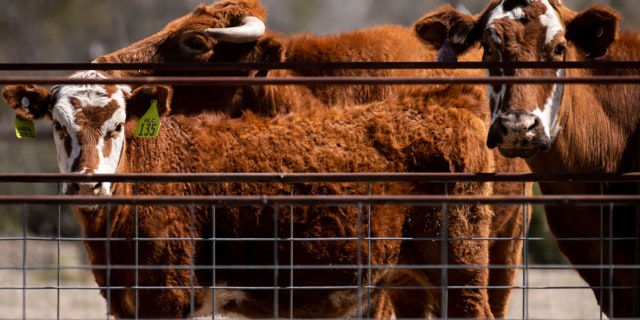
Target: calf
column 162, row 267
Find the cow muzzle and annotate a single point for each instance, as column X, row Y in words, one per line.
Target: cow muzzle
column 518, row 134
column 85, row 189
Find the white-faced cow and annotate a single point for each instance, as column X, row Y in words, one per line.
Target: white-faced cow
column 563, row 128
column 159, row 272
column 234, row 31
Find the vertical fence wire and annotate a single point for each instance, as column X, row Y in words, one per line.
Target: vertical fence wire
column 525, row 253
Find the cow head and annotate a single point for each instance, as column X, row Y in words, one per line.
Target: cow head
column 525, row 117
column 88, row 122
column 226, row 31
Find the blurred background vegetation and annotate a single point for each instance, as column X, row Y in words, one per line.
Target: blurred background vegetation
column 61, row 31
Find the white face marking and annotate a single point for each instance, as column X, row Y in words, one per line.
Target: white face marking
column 548, row 115
column 65, row 114
column 496, row 99
column 499, row 13
column 549, row 19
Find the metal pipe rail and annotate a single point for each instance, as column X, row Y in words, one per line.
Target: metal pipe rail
column 322, row 177
column 263, row 200
column 329, row 80
column 213, row 66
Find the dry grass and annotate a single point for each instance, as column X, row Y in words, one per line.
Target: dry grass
column 42, row 291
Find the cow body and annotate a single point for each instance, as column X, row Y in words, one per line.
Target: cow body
column 425, row 130
column 564, row 128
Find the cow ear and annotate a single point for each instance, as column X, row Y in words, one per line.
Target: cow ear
column 139, row 101
column 269, row 48
column 449, row 31
column 593, row 30
column 31, row 102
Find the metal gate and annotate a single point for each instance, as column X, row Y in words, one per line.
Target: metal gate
column 46, row 274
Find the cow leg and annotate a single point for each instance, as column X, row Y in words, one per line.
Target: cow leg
column 615, row 302
column 467, row 259
column 505, row 254
column 466, row 276
column 409, row 294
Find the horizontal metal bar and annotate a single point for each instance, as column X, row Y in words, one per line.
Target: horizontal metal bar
column 224, row 239
column 348, row 80
column 200, row 66
column 287, row 267
column 315, row 200
column 320, row 177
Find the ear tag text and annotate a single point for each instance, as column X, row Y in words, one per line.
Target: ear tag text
column 25, row 129
column 149, row 124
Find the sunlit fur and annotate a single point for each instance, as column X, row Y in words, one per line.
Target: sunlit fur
column 435, row 128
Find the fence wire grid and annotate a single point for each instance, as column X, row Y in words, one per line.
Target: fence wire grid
column 48, row 276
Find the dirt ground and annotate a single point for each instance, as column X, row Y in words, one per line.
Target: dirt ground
column 40, row 292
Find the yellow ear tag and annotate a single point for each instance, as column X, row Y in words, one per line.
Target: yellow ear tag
column 25, row 129
column 149, row 124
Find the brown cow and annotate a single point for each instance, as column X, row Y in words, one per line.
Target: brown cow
column 563, row 128
column 190, row 39
column 433, row 130
column 233, row 31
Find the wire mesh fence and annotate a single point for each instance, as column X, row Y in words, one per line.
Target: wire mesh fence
column 50, row 277
column 213, row 252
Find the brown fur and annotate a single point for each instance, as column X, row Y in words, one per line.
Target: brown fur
column 384, row 43
column 397, row 136
column 599, row 134
column 378, row 44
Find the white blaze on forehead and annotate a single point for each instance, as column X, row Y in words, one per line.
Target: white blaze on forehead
column 549, row 19
column 95, row 95
column 499, row 13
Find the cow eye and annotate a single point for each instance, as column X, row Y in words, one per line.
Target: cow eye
column 57, row 126
column 560, row 49
column 115, row 132
column 195, row 43
column 488, row 52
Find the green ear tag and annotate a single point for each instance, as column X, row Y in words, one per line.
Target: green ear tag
column 25, row 129
column 149, row 124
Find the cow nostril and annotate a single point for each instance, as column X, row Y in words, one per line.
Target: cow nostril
column 97, row 187
column 534, row 125
column 75, row 187
column 504, row 130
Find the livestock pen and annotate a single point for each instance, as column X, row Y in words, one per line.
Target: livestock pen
column 48, row 276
